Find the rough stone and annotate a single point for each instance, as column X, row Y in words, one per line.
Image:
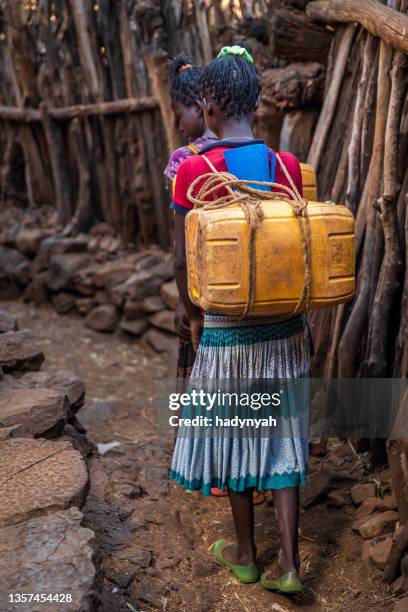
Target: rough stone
column 29, row 240
column 368, row 506
column 148, row 261
column 8, row 322
column 62, row 270
column 9, row 288
column 15, row 273
column 15, row 264
column 135, row 554
column 203, row 569
column 103, row 318
column 377, row 551
column 37, row 477
column 375, row 503
column 160, row 341
column 79, row 441
column 9, row 432
column 102, row 229
column 360, row 492
column 105, row 274
column 164, row 320
column 85, row 305
column 136, row 327
column 108, row 523
column 37, row 291
column 387, row 503
column 50, row 554
column 33, row 411
column 66, row 382
column 101, row 297
column 322, row 482
column 338, row 499
column 110, row 244
column 375, row 524
column 133, row 309
column 19, row 352
column 63, row 302
column 153, row 304
column 58, row 245
column 146, row 281
column 118, row 571
column 399, row 587
column 170, row 294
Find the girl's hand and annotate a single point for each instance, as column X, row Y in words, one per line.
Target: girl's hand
column 196, row 326
column 182, row 323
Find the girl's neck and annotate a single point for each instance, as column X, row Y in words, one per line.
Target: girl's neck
column 208, row 133
column 236, row 130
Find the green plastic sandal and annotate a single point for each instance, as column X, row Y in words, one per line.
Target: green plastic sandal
column 287, row 583
column 244, row 573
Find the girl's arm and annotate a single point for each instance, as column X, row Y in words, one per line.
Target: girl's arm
column 180, row 272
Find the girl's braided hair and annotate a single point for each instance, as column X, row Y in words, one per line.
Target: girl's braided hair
column 233, row 83
column 184, row 80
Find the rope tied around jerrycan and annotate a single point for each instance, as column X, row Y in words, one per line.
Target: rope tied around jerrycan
column 249, row 199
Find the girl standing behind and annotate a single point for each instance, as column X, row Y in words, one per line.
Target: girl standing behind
column 185, row 102
column 232, row 348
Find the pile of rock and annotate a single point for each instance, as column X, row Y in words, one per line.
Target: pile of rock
column 43, row 480
column 92, row 274
column 345, row 480
column 375, row 519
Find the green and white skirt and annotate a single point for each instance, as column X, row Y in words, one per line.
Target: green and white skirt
column 251, row 355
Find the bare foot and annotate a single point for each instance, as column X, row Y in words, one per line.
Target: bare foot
column 231, row 554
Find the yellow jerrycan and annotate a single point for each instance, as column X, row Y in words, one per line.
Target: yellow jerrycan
column 296, row 255
column 309, row 182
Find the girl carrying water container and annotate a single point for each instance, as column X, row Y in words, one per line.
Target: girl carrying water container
column 237, row 349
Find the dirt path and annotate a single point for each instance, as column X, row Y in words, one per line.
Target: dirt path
column 153, row 538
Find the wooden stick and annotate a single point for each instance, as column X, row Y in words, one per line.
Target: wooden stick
column 392, row 262
column 351, row 338
column 354, row 178
column 58, row 166
column 82, row 216
column 202, row 26
column 329, row 105
column 22, row 115
column 382, row 21
column 85, row 48
column 401, row 348
column 125, row 105
column 156, row 71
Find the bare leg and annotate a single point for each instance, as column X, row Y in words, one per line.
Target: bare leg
column 287, row 510
column 244, row 552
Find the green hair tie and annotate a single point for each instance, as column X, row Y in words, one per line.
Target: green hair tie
column 238, row 51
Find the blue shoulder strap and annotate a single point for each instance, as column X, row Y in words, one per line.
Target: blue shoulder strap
column 252, row 162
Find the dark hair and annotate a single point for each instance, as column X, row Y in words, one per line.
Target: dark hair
column 184, row 80
column 233, row 83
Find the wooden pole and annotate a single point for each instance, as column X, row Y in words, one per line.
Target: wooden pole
column 351, row 338
column 58, row 166
column 330, row 102
column 382, row 21
column 126, row 105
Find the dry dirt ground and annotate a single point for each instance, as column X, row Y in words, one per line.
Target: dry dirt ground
column 152, row 538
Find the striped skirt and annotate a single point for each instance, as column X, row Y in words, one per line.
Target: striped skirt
column 251, row 355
